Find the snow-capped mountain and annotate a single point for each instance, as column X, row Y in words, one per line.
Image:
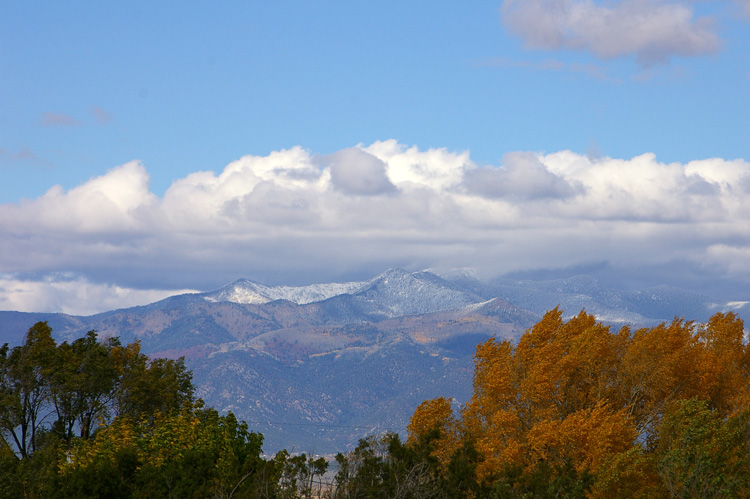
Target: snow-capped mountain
column 393, row 293
column 250, row 292
column 396, row 293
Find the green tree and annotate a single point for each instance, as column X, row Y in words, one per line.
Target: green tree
column 385, row 467
column 702, row 454
column 192, row 453
column 300, row 475
column 82, row 384
column 24, row 387
column 545, row 481
column 149, row 387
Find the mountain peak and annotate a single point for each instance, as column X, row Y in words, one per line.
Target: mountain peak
column 240, row 291
column 392, row 274
column 246, row 291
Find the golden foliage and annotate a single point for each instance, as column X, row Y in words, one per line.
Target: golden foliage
column 575, row 392
column 436, row 414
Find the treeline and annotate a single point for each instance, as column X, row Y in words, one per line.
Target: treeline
column 574, row 409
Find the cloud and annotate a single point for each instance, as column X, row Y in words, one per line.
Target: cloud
column 112, row 203
column 523, row 176
column 436, row 169
column 595, row 71
column 57, row 120
column 73, row 295
column 743, row 8
column 295, row 217
column 22, row 156
column 654, row 31
column 354, row 171
column 101, row 116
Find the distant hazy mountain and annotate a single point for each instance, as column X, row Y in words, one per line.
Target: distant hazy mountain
column 644, row 307
column 317, row 367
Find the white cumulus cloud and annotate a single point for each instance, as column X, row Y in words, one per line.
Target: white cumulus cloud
column 296, row 217
column 522, row 176
column 112, row 202
column 72, row 295
column 354, row 171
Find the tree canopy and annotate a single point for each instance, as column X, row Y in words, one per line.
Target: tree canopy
column 95, row 418
column 608, row 413
column 72, row 388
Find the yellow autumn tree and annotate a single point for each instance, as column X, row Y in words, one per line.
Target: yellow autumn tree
column 436, row 414
column 576, row 395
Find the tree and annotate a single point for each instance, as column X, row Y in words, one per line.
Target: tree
column 98, row 419
column 702, row 454
column 192, row 453
column 148, row 387
column 436, row 415
column 24, row 387
column 300, row 475
column 69, row 388
column 577, row 404
column 82, row 380
column 386, row 468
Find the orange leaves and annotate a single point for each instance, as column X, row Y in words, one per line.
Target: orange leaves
column 535, row 401
column 585, row 438
column 495, row 377
column 566, row 366
column 576, row 393
column 432, row 414
column 725, row 363
column 658, row 365
column 436, row 414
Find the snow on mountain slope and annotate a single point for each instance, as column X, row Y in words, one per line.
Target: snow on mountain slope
column 393, row 293
column 249, row 292
column 396, row 293
column 643, row 307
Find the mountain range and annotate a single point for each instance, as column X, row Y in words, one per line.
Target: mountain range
column 315, row 368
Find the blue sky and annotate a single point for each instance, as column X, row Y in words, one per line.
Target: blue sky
column 498, row 104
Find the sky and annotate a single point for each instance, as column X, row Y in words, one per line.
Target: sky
column 152, row 148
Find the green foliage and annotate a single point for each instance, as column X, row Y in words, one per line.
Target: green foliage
column 151, row 387
column 460, row 474
column 702, row 454
column 98, row 419
column 385, row 467
column 70, row 389
column 299, row 476
column 192, row 453
column 82, row 380
column 9, row 463
column 544, row 481
column 24, row 387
